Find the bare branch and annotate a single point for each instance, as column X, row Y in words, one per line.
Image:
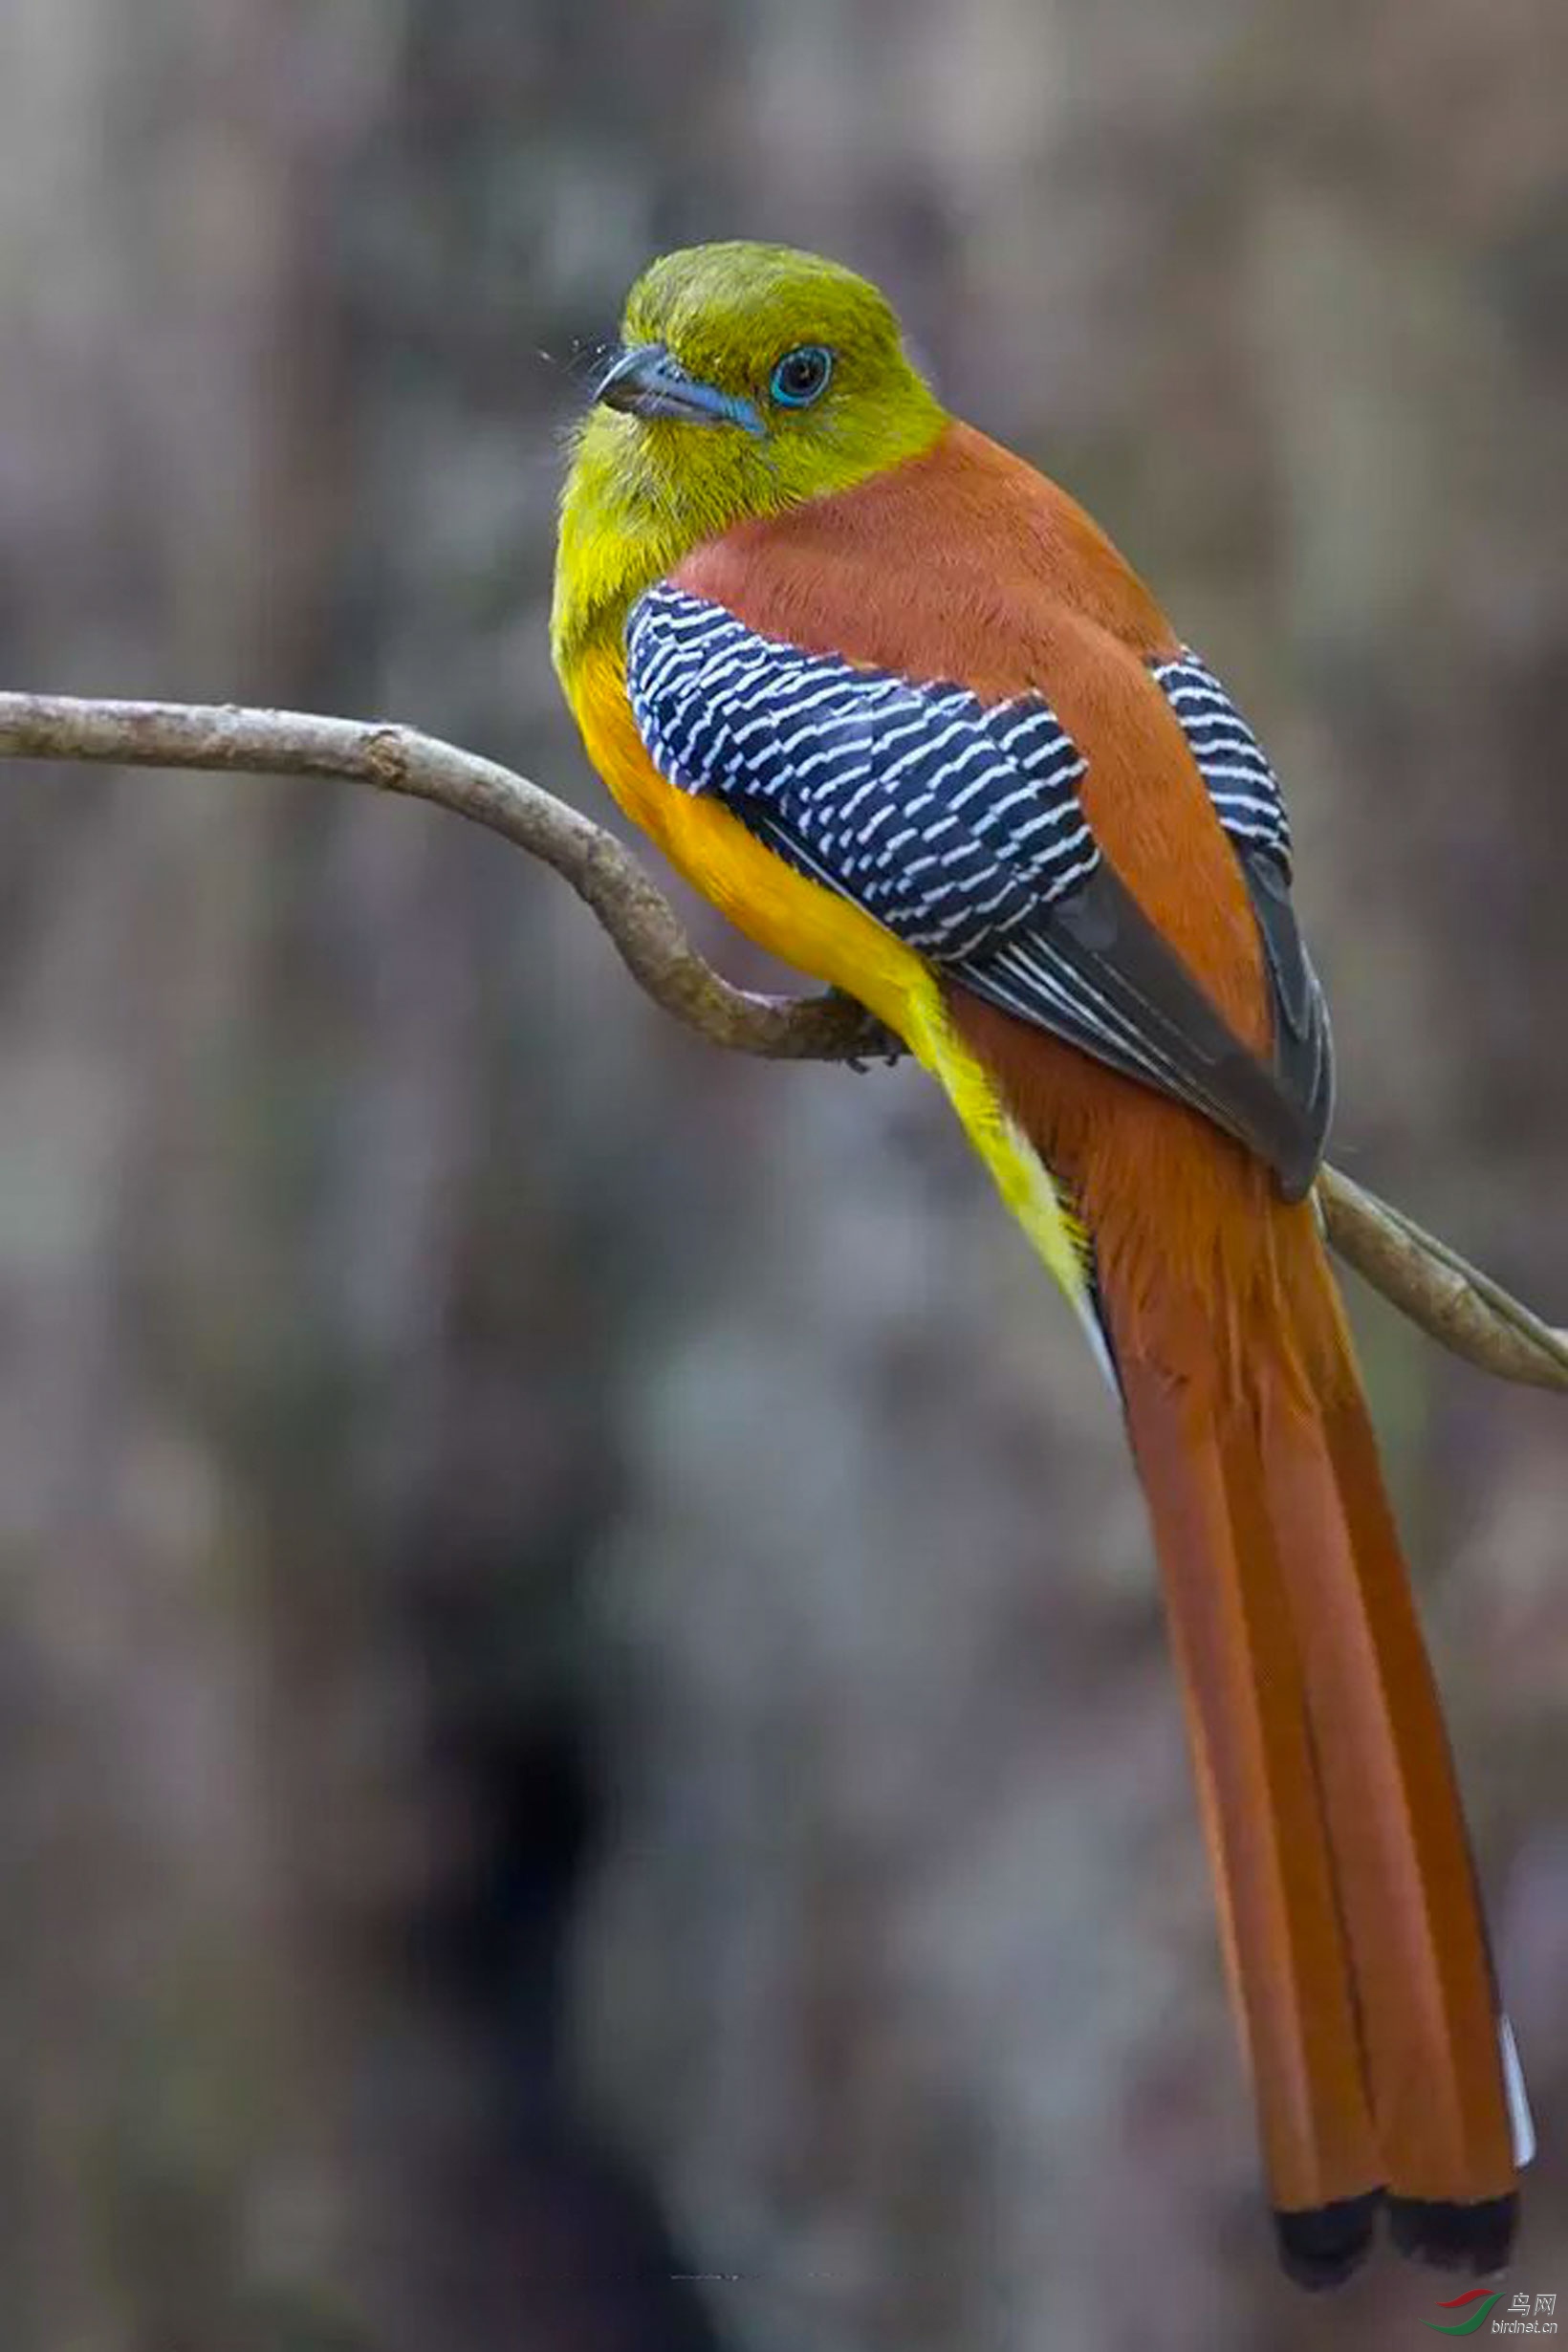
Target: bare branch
column 638, row 918
column 1436, row 1288
column 1459, row 1306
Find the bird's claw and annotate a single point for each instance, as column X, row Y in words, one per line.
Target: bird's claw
column 878, row 1043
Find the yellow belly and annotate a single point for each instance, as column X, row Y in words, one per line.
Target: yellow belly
column 793, row 918
column 818, row 932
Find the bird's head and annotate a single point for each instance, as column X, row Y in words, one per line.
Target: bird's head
column 748, row 379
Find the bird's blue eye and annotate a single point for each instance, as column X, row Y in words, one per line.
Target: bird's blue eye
column 801, row 376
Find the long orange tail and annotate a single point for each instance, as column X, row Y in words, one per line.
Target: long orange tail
column 1354, row 1935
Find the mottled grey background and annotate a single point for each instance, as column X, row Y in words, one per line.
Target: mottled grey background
column 580, row 1694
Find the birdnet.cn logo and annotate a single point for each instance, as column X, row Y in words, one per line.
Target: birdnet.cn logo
column 1526, row 2314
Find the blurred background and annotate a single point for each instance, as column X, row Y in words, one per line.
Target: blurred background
column 586, row 1754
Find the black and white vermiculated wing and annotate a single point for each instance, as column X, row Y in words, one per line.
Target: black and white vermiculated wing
column 953, row 824
column 1243, row 787
column 1250, row 805
column 957, row 825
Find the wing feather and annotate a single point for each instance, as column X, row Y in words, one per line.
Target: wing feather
column 958, row 824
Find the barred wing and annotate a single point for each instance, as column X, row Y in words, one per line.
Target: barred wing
column 958, row 825
column 952, row 824
column 1250, row 805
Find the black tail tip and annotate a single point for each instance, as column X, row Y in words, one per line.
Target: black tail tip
column 1477, row 2238
column 1322, row 2244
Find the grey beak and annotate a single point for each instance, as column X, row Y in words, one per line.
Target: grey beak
column 647, row 382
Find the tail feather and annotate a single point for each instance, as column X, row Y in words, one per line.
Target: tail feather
column 1261, row 1798
column 1423, row 1965
column 1355, row 1938
column 1349, row 1912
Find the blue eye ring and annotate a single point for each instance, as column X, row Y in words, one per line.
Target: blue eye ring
column 802, row 376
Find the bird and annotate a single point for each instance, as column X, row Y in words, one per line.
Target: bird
column 891, row 699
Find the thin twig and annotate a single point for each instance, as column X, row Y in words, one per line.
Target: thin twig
column 1435, row 1287
column 1462, row 1308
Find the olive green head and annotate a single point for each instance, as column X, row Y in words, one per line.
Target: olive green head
column 748, row 378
